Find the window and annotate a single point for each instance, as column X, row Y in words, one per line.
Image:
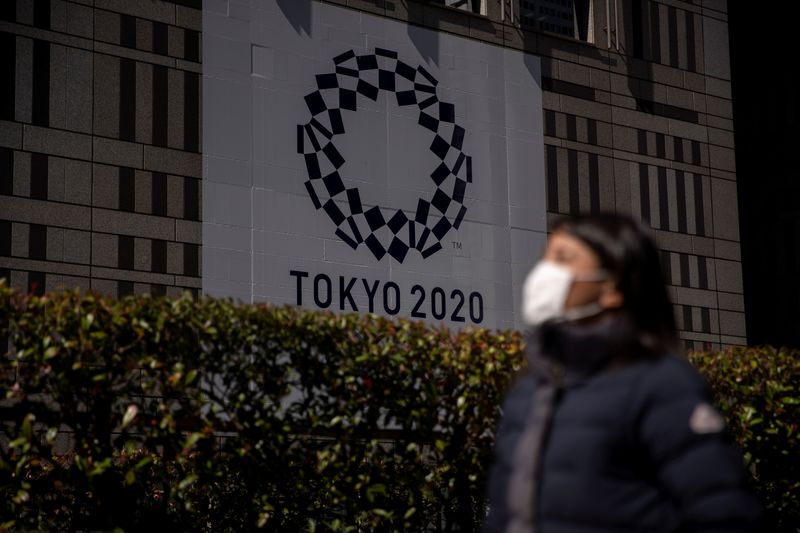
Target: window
column 473, row 6
column 571, row 18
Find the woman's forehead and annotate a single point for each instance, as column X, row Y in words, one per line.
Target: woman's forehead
column 561, row 241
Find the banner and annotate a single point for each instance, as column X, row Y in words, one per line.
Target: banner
column 360, row 164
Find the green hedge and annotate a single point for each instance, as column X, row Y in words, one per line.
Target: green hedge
column 206, row 415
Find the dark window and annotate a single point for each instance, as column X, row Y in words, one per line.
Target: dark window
column 475, row 6
column 160, row 38
column 159, row 256
column 159, row 206
column 191, row 260
column 569, row 18
column 8, row 66
column 37, row 242
column 191, row 45
column 125, row 252
column 5, row 237
column 127, row 31
column 127, row 189
column 191, row 199
column 41, row 14
column 124, row 288
column 6, row 171
column 39, row 172
column 36, row 283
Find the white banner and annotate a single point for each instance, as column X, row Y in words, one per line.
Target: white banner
column 360, row 164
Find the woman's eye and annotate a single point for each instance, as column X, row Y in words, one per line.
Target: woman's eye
column 563, row 256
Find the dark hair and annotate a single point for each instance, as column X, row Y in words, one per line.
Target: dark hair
column 631, row 257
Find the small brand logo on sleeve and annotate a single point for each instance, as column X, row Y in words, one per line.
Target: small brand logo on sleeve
column 706, row 419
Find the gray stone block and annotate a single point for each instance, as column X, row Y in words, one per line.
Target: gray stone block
column 187, row 17
column 142, row 254
column 22, row 174
column 172, row 161
column 77, row 182
column 43, row 212
column 190, row 282
column 25, row 13
column 189, row 231
column 80, row 20
column 60, row 282
column 695, row 297
column 729, row 276
column 78, row 91
column 721, row 107
column 23, row 90
column 573, row 73
column 107, row 27
column 702, row 246
column 175, row 196
column 727, row 250
column 57, row 98
column 726, row 213
column 104, row 286
column 175, row 258
column 680, row 98
column 674, row 242
column 18, row 264
column 132, row 275
column 55, row 244
column 10, row 134
column 118, row 153
column 624, row 138
column 55, row 179
column 143, row 189
column 19, row 239
column 731, row 302
column 106, row 95
column 144, row 103
column 77, row 246
column 175, row 124
column 105, row 186
column 176, row 41
column 144, row 34
column 585, row 108
column 57, row 142
column 716, row 48
column 722, row 158
column 133, row 224
column 720, row 137
column 155, row 10
column 104, row 250
column 729, row 340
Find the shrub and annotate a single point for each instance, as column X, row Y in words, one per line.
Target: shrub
column 207, row 415
column 215, row 416
column 758, row 391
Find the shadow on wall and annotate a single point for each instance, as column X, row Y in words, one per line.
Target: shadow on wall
column 426, row 42
column 298, row 13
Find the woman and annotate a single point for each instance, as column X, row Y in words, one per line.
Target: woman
column 609, row 429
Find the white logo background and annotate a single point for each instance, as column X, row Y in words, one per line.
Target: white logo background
column 259, row 224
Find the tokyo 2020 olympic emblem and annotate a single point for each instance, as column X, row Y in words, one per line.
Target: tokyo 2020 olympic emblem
column 383, row 230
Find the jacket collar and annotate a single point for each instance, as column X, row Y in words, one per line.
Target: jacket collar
column 568, row 353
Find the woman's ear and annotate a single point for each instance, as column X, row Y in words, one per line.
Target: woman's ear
column 611, row 297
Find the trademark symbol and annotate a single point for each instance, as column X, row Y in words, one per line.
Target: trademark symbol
column 456, row 245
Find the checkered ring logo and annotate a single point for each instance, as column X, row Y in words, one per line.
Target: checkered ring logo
column 383, row 230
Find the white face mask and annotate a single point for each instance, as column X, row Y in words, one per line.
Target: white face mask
column 545, row 291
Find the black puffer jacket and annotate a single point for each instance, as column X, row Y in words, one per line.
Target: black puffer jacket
column 595, row 439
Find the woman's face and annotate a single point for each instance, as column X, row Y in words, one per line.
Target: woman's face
column 571, row 253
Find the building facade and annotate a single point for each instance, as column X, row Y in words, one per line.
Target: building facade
column 108, row 135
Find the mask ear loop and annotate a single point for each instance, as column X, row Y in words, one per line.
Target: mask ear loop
column 588, row 310
column 597, row 275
